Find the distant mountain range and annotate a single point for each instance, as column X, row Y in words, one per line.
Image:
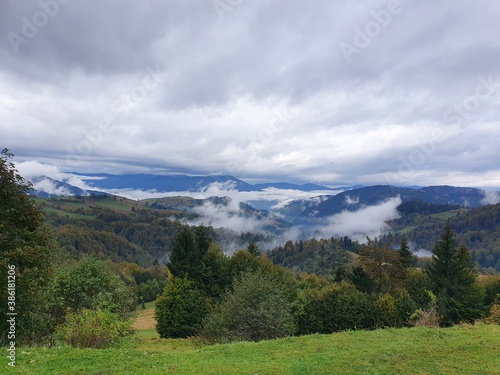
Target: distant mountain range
column 306, row 211
column 355, row 199
column 46, row 186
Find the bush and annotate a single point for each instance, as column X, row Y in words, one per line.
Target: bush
column 180, row 310
column 386, row 311
column 92, row 329
column 494, row 317
column 91, row 284
column 334, row 308
column 257, row 309
column 427, row 317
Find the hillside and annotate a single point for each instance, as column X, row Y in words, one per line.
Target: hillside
column 353, row 200
column 122, row 229
column 478, row 228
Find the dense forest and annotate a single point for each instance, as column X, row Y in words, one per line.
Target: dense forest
column 478, row 228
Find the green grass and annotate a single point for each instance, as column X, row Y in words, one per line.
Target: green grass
column 464, row 349
column 445, row 215
column 406, row 229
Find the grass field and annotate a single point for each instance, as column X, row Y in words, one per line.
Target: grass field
column 445, row 215
column 465, row 349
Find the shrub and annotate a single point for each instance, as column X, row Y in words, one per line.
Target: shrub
column 386, row 311
column 427, row 317
column 180, row 310
column 494, row 317
column 334, row 308
column 92, row 329
column 257, row 309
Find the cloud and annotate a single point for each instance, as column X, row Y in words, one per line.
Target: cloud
column 491, row 197
column 350, row 200
column 263, row 92
column 367, row 221
column 50, row 187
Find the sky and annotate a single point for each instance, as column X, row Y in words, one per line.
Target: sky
column 332, row 92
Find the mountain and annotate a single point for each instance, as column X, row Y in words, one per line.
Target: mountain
column 353, row 200
column 286, row 185
column 48, row 187
column 162, row 183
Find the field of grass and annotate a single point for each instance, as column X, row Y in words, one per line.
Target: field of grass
column 445, row 215
column 465, row 349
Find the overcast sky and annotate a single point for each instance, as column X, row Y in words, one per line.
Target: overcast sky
column 333, row 92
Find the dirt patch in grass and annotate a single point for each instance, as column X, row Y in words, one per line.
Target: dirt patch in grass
column 145, row 319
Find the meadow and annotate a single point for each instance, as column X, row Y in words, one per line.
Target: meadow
column 463, row 349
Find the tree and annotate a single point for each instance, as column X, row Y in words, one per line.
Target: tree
column 406, row 257
column 27, row 246
column 382, row 264
column 452, row 274
column 91, row 284
column 257, row 309
column 180, row 310
column 188, row 251
column 253, row 248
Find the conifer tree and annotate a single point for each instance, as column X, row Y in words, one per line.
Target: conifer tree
column 405, row 255
column 452, row 273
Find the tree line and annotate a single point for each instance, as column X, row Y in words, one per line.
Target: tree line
column 245, row 296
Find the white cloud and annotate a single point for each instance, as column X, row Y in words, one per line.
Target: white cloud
column 367, row 221
column 491, row 197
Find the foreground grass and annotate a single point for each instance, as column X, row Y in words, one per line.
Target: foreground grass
column 458, row 350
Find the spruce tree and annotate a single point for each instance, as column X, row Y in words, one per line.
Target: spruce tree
column 452, row 274
column 405, row 255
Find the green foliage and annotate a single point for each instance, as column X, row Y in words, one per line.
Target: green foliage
column 406, row 257
column 321, row 257
column 477, row 228
column 355, row 274
column 91, row 284
column 452, row 274
column 256, row 309
column 382, row 265
column 92, row 329
column 190, row 246
column 181, row 309
column 149, row 290
column 216, row 275
column 394, row 310
column 26, row 244
column 418, row 284
column 334, row 308
column 386, row 312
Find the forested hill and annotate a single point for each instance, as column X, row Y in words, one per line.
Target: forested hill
column 353, row 200
column 121, row 229
column 478, row 228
